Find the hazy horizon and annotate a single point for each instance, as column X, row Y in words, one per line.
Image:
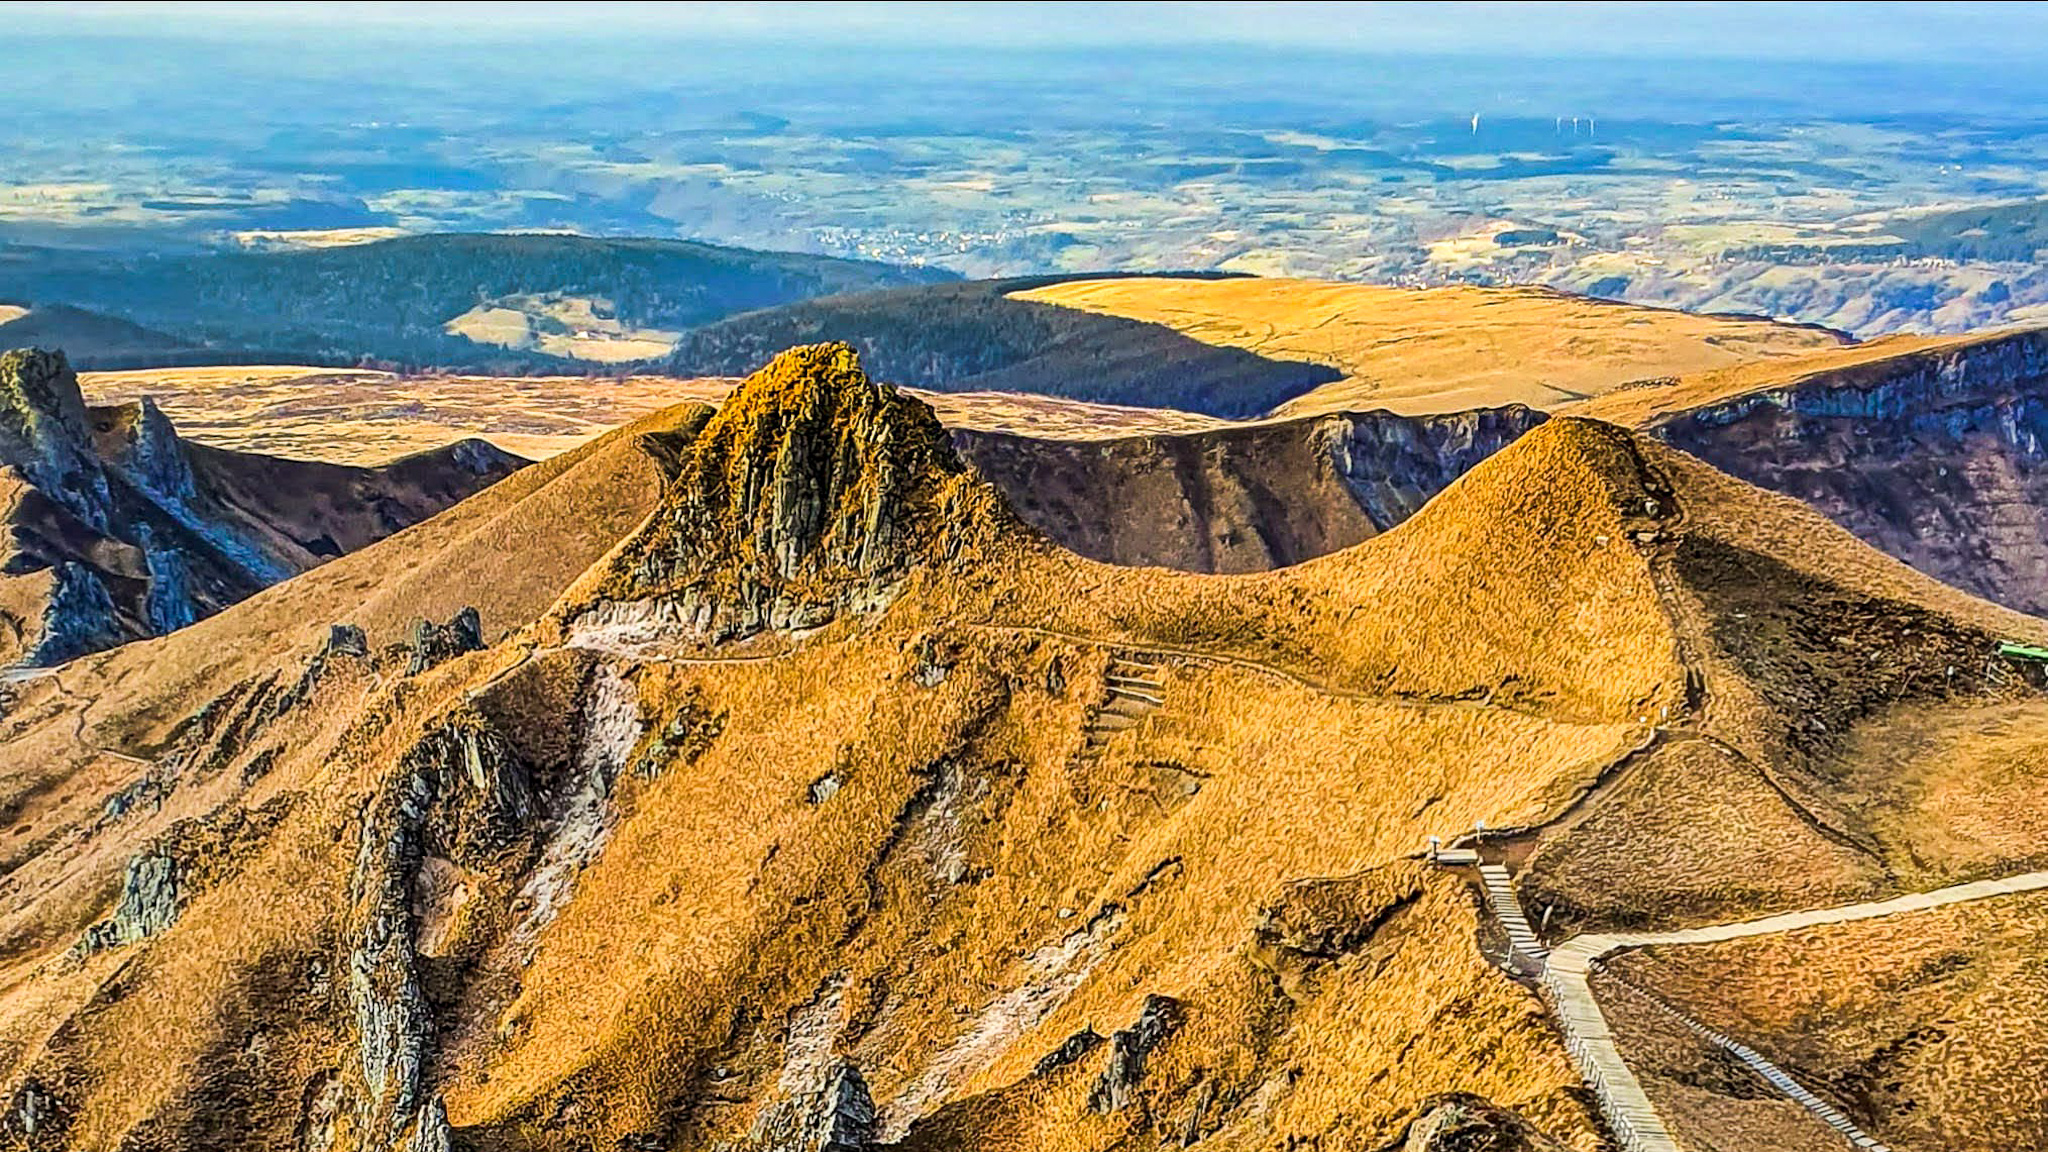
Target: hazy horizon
column 1837, row 32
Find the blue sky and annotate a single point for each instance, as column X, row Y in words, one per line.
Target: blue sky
column 1779, row 31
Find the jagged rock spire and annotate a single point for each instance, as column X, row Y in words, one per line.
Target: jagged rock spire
column 814, row 490
column 44, row 432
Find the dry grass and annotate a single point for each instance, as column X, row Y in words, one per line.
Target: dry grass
column 1645, row 407
column 1951, row 793
column 1517, row 586
column 695, row 903
column 358, row 417
column 1926, row 1026
column 1441, row 349
column 1690, row 834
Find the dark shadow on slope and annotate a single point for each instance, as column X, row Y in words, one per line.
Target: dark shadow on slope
column 975, row 337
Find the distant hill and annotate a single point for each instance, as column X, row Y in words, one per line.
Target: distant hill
column 978, row 337
column 90, row 338
column 1432, row 350
column 1993, row 233
column 394, row 300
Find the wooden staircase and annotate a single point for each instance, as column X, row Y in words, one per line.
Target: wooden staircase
column 1133, row 689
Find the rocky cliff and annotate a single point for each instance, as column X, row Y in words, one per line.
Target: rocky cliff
column 119, row 529
column 1938, row 457
column 813, row 492
column 1242, row 500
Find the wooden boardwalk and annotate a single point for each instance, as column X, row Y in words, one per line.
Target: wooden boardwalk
column 1628, row 1109
column 1500, row 896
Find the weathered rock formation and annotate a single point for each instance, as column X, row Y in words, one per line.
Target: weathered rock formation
column 44, row 433
column 811, row 493
column 433, row 643
column 117, row 529
column 461, row 794
column 1243, row 499
column 1938, row 457
column 151, row 893
column 1124, row 1069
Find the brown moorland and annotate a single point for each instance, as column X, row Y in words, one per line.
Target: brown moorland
column 363, row 417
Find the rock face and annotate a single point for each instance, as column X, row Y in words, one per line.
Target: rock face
column 434, row 644
column 463, row 793
column 79, row 617
column 846, row 1120
column 151, row 893
column 1939, row 458
column 44, row 433
column 139, row 440
column 1116, row 1088
column 169, row 604
column 837, row 1115
column 1242, row 499
column 811, row 493
column 140, row 533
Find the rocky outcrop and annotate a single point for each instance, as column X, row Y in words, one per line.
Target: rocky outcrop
column 78, row 618
column 432, row 644
column 462, row 793
column 1071, row 1051
column 811, row 494
column 1241, row 499
column 1393, row 465
column 185, row 860
column 34, row 1117
column 145, row 534
column 1937, row 457
column 836, row 1115
column 138, row 439
column 1124, row 1069
column 343, row 642
column 151, row 896
column 168, row 604
column 45, row 434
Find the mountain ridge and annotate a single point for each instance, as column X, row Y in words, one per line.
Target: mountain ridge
column 1013, row 849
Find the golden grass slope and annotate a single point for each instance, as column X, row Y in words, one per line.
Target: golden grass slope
column 889, row 842
column 1417, row 351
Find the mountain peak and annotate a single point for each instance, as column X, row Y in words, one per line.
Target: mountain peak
column 44, row 432
column 813, row 490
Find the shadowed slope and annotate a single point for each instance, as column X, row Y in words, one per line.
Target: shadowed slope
column 976, row 337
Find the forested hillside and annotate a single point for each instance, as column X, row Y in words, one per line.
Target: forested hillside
column 390, row 300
